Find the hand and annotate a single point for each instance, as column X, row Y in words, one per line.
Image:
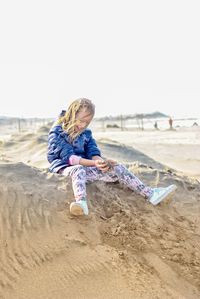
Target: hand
column 105, row 165
column 102, row 165
column 111, row 163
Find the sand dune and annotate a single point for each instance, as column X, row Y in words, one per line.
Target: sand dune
column 125, row 248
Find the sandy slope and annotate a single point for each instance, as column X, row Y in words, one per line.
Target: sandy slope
column 125, row 248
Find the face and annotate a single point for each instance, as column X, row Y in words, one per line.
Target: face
column 83, row 119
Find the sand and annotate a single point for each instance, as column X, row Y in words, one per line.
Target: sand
column 125, row 248
column 178, row 148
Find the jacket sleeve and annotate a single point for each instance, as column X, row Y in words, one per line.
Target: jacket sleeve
column 59, row 148
column 91, row 148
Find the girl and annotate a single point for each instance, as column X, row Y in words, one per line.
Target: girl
column 72, row 151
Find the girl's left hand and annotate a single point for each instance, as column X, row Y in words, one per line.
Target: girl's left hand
column 111, row 163
column 106, row 165
column 102, row 165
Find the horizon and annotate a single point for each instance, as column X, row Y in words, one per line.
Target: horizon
column 107, row 116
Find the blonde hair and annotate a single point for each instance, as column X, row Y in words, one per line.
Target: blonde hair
column 68, row 120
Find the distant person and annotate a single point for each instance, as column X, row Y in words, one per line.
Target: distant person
column 170, row 123
column 156, row 125
column 195, row 124
column 72, row 151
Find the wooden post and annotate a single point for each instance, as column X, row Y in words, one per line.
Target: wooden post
column 19, row 125
column 121, row 121
column 142, row 122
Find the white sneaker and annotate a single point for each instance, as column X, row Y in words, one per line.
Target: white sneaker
column 161, row 193
column 79, row 207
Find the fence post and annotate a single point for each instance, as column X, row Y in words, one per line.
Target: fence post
column 19, row 125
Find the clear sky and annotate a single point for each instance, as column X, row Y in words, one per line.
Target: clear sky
column 127, row 56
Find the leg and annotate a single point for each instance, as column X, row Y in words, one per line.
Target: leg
column 130, row 180
column 119, row 173
column 154, row 195
column 94, row 174
column 78, row 175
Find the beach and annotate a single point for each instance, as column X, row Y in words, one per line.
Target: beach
column 125, row 248
column 178, row 148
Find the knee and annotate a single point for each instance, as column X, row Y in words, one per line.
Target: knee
column 120, row 168
column 78, row 170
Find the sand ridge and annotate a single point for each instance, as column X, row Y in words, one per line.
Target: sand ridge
column 125, row 248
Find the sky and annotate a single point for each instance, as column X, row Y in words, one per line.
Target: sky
column 126, row 56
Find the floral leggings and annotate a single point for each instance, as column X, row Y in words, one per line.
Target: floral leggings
column 81, row 175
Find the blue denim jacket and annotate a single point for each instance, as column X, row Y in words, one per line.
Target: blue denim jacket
column 60, row 148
